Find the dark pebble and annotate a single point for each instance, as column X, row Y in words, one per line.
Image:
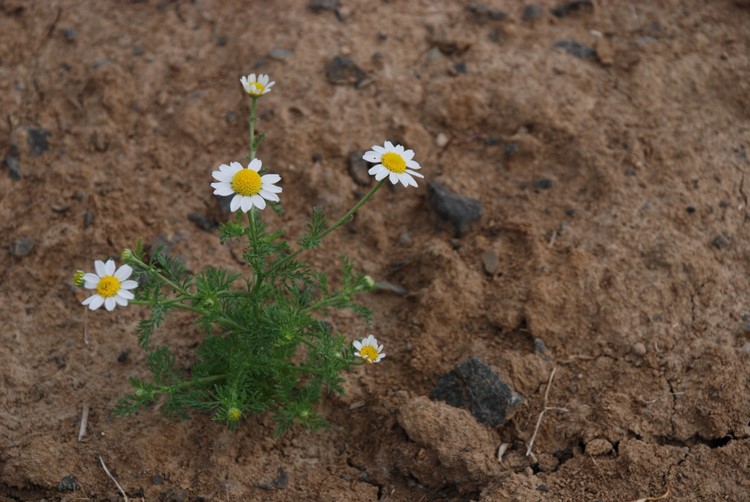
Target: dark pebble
column 88, row 218
column 542, row 183
column 174, row 495
column 70, row 34
column 690, row 209
column 321, row 5
column 22, row 247
column 221, row 40
column 281, row 481
column 531, row 12
column 721, row 242
column 461, row 67
column 343, row 71
column 539, row 346
column 472, row 385
column 358, row 168
column 230, row 117
column 575, row 49
column 569, row 8
column 137, row 51
column 203, row 221
column 157, row 480
column 511, row 149
column 317, row 157
column 491, row 141
column 570, row 213
column 458, row 209
column 123, row 356
column 13, row 167
column 37, row 141
column 484, row 13
column 542, row 488
column 68, row 484
column 723, row 204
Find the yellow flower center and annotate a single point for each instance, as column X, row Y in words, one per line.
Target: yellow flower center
column 255, row 88
column 108, row 286
column 234, row 414
column 246, row 182
column 394, row 162
column 368, row 353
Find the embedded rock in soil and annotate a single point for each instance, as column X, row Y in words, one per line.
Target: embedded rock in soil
column 473, row 385
column 575, row 49
column 13, row 167
column 358, row 168
column 458, row 209
column 342, row 71
column 448, row 437
column 568, row 8
column 22, row 247
column 68, row 484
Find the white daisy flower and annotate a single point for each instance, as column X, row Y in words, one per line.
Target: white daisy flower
column 112, row 286
column 369, row 350
column 393, row 162
column 257, row 87
column 248, row 187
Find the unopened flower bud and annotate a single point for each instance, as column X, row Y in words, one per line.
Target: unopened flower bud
column 78, row 278
column 126, row 255
column 234, row 414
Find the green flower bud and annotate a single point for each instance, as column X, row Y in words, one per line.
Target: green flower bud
column 369, row 281
column 234, row 414
column 78, row 278
column 126, row 255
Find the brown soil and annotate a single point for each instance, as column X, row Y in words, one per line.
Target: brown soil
column 614, row 198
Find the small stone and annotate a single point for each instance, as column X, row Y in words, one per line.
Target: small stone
column 690, row 210
column 157, row 480
column 231, row 117
column 68, row 484
column 575, row 6
column 542, row 183
column 137, row 51
column 203, row 221
column 458, row 209
column 575, row 49
column 37, row 141
column 318, row 6
column 99, row 141
column 532, row 12
column 13, row 167
column 390, row 287
column 490, row 261
column 460, row 67
column 358, row 168
column 123, row 356
column 539, row 346
column 511, row 149
column 22, row 247
column 434, row 54
column 441, row 140
column 88, row 218
column 720, row 241
column 174, row 495
column 474, row 386
column 70, row 34
column 281, row 481
column 483, row 13
column 341, row 70
column 598, row 446
column 639, row 349
column 280, row 54
column 221, row 40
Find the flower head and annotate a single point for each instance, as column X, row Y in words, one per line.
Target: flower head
column 393, row 162
column 78, row 278
column 257, row 87
column 368, row 349
column 234, row 414
column 112, row 286
column 248, row 187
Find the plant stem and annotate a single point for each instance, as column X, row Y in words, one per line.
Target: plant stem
column 252, row 127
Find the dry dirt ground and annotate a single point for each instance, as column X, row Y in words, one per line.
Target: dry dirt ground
column 607, row 142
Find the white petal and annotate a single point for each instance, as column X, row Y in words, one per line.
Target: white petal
column 263, row 79
column 234, row 168
column 251, row 77
column 393, row 177
column 412, row 165
column 382, row 173
column 119, row 300
column 375, row 169
column 270, row 178
column 270, row 84
column 247, row 204
column 89, row 277
column 109, row 304
column 243, row 81
column 389, row 146
column 357, row 345
column 236, row 202
column 258, row 201
column 373, row 156
column 380, row 357
column 125, row 294
column 91, row 284
column 109, row 267
column 407, row 180
column 128, row 285
column 222, row 188
column 222, row 176
column 271, row 188
column 101, row 270
column 255, row 165
column 123, row 272
column 414, row 173
column 379, row 149
column 94, row 302
column 408, row 155
column 399, row 149
column 269, row 195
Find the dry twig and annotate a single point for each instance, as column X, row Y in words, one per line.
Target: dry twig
column 649, row 499
column 113, row 479
column 84, row 421
column 539, row 419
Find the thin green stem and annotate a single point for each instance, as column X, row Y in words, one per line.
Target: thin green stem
column 253, row 146
column 167, row 281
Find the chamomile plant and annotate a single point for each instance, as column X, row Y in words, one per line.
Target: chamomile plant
column 266, row 343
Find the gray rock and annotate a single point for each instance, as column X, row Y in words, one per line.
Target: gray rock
column 13, row 167
column 203, row 221
column 458, row 209
column 721, row 242
column 575, row 6
column 474, row 386
column 37, row 141
column 68, row 484
column 483, row 13
column 22, row 247
column 358, row 168
column 321, row 5
column 343, row 71
column 575, row 49
column 531, row 12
